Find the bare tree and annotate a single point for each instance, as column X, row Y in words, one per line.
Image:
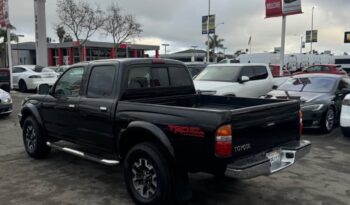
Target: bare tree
column 80, row 20
column 121, row 27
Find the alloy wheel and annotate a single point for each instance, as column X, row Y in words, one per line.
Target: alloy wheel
column 330, row 119
column 31, row 138
column 144, row 178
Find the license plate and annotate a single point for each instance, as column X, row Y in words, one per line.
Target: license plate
column 274, row 157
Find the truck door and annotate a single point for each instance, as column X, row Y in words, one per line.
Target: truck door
column 96, row 107
column 60, row 108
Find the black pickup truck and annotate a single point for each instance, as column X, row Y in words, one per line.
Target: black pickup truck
column 146, row 115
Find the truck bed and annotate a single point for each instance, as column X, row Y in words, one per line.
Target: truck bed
column 215, row 103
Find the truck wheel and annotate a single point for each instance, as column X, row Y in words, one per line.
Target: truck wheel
column 147, row 175
column 328, row 121
column 22, row 86
column 34, row 140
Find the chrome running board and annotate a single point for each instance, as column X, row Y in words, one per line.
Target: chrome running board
column 77, row 153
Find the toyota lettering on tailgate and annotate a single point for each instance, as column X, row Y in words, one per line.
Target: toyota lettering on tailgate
column 187, row 131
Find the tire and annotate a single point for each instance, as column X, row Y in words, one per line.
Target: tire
column 346, row 131
column 22, row 86
column 328, row 121
column 146, row 166
column 34, row 140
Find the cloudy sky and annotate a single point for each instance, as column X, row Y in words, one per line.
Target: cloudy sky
column 178, row 22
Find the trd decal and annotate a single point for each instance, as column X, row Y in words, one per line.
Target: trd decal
column 188, row 131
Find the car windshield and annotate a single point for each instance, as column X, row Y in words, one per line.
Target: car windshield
column 219, row 73
column 309, row 84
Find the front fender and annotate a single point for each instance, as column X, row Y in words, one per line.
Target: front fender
column 30, row 110
column 151, row 128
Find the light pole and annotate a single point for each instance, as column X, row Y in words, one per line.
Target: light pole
column 165, row 45
column 194, row 56
column 224, row 48
column 301, row 44
column 312, row 28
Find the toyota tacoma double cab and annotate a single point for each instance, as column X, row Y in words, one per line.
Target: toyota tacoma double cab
column 146, row 115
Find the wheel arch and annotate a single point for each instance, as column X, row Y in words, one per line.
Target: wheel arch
column 30, row 110
column 140, row 131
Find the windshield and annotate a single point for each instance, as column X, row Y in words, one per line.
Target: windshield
column 219, row 73
column 312, row 84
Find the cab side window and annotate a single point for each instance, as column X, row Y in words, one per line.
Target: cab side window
column 255, row 72
column 69, row 84
column 101, row 82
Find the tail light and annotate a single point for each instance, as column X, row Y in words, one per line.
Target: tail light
column 223, row 141
column 300, row 122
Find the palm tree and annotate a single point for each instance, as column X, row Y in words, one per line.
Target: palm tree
column 215, row 42
column 3, row 35
column 61, row 33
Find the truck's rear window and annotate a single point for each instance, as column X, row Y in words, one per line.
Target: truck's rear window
column 147, row 77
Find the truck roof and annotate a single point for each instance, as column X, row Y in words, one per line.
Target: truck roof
column 134, row 61
column 239, row 64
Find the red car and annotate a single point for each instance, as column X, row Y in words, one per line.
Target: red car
column 275, row 70
column 332, row 69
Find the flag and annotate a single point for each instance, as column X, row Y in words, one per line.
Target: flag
column 250, row 40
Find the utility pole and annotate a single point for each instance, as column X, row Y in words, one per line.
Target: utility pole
column 312, row 28
column 165, row 45
column 208, row 37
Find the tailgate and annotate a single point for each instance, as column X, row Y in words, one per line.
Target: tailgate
column 261, row 128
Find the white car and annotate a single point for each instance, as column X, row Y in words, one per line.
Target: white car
column 345, row 116
column 29, row 77
column 239, row 80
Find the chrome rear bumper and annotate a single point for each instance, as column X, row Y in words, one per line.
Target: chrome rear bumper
column 260, row 164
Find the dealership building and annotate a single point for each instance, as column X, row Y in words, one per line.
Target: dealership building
column 67, row 53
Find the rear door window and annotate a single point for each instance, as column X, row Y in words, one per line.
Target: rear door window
column 101, row 82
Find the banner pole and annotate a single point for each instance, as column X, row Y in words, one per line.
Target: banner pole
column 208, row 37
column 283, row 42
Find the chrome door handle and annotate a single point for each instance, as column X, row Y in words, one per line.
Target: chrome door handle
column 103, row 109
column 71, row 106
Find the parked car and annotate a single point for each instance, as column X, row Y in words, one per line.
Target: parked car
column 146, row 114
column 240, row 80
column 5, row 83
column 321, row 96
column 331, row 69
column 29, row 77
column 345, row 117
column 5, row 103
column 225, row 61
column 196, row 67
column 275, row 70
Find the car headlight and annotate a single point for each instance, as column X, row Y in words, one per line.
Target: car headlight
column 7, row 101
column 316, row 107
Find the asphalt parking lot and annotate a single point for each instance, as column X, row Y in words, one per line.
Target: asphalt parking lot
column 322, row 178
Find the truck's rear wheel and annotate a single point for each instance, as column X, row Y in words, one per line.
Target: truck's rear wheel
column 147, row 175
column 34, row 141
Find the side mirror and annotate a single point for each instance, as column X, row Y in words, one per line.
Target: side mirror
column 244, row 79
column 275, row 87
column 44, row 89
